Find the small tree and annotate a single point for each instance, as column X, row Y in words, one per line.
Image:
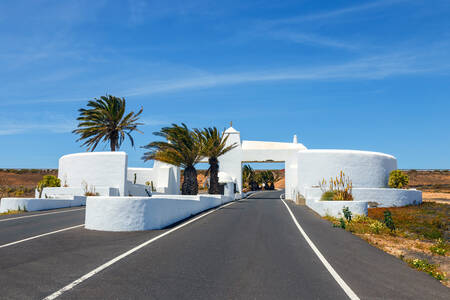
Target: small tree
column 48, row 181
column 398, row 179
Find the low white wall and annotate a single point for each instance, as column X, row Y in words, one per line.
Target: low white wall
column 145, row 213
column 365, row 169
column 32, row 204
column 61, row 192
column 376, row 197
column 334, row 208
column 142, row 175
column 107, row 169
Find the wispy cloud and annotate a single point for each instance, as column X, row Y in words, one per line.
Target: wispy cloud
column 369, row 68
column 11, row 128
column 335, row 13
column 311, row 39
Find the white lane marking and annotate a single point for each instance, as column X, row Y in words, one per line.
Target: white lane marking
column 327, row 265
column 38, row 236
column 122, row 256
column 38, row 215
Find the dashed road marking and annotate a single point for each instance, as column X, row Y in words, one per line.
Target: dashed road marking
column 40, row 235
column 122, row 256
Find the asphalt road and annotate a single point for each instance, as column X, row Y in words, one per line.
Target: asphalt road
column 250, row 249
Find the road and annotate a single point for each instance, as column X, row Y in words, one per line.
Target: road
column 251, row 249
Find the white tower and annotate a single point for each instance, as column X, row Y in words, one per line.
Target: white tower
column 295, row 141
column 230, row 162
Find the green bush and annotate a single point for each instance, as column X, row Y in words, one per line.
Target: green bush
column 347, row 214
column 388, row 221
column 398, row 179
column 327, row 196
column 48, row 181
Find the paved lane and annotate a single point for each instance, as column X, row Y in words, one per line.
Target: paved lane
column 249, row 250
column 16, row 227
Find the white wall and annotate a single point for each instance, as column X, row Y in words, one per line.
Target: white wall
column 364, row 168
column 107, row 169
column 61, row 192
column 380, row 197
column 138, row 213
column 142, row 175
column 32, row 204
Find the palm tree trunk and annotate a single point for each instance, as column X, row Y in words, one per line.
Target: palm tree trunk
column 112, row 143
column 213, row 176
column 190, row 184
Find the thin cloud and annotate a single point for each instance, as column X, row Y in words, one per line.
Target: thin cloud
column 336, row 13
column 311, row 39
column 370, row 68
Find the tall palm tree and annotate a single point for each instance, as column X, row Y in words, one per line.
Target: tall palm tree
column 213, row 145
column 105, row 121
column 181, row 148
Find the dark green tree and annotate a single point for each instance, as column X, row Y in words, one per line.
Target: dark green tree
column 105, row 120
column 181, row 148
column 213, row 145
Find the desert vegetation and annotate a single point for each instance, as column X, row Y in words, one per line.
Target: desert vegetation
column 338, row 189
column 419, row 235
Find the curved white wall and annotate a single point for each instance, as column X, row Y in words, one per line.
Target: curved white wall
column 363, row 197
column 138, row 213
column 103, row 169
column 364, row 168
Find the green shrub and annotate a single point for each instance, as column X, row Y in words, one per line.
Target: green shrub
column 347, row 214
column 48, row 181
column 342, row 223
column 327, row 196
column 388, row 221
column 398, row 179
column 376, row 227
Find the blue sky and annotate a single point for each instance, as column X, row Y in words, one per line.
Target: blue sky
column 369, row 75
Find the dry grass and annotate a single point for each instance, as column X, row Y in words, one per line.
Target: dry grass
column 421, row 233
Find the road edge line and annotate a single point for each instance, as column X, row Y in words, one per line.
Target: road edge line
column 44, row 214
column 129, row 252
column 352, row 295
column 40, row 235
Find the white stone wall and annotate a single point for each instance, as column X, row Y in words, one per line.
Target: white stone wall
column 364, row 168
column 106, row 169
column 138, row 213
column 363, row 197
column 32, row 204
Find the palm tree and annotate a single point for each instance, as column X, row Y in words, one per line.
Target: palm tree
column 213, row 145
column 105, row 121
column 249, row 177
column 181, row 148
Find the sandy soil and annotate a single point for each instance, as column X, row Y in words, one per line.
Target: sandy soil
column 409, row 249
column 436, row 197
